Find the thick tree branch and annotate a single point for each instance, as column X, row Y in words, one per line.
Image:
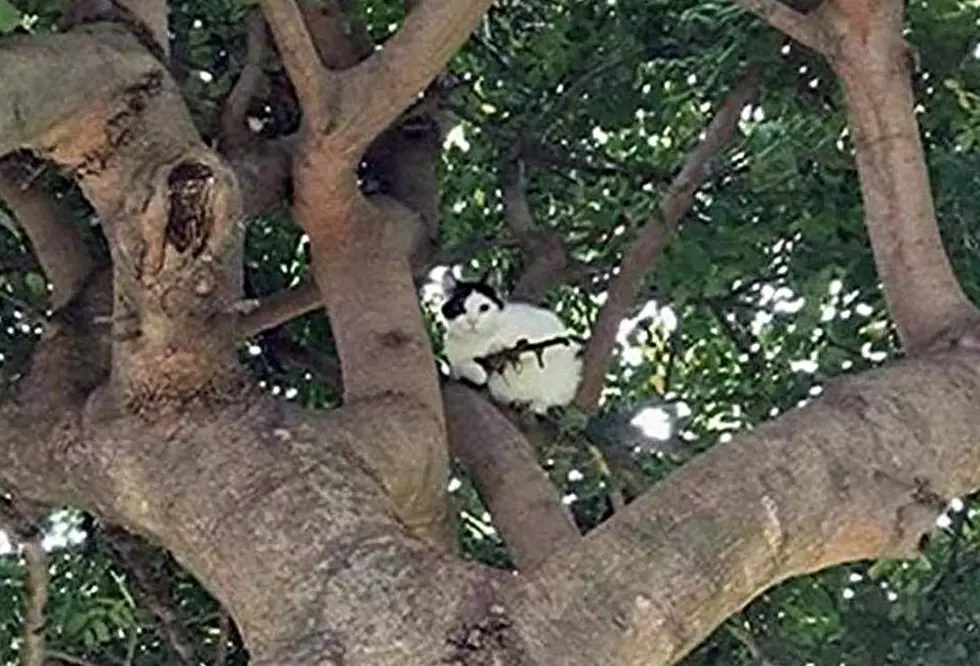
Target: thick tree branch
column 340, row 37
column 111, row 92
column 89, row 68
column 924, row 297
column 70, row 360
column 146, row 20
column 405, row 160
column 651, row 239
column 807, row 29
column 56, row 240
column 292, row 487
column 522, row 500
column 377, row 90
column 699, row 546
column 360, row 259
column 872, row 466
column 361, row 248
column 152, row 14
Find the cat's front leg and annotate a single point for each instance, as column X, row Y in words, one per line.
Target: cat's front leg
column 471, row 372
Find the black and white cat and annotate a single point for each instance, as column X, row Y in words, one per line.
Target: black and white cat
column 479, row 323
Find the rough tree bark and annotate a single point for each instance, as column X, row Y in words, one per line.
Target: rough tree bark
column 344, row 513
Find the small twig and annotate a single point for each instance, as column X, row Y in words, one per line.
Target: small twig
column 542, row 124
column 613, row 489
column 748, row 641
column 547, row 257
column 37, row 597
column 21, row 522
column 537, row 152
column 33, row 171
column 131, row 648
column 519, row 216
column 234, row 129
column 280, row 307
column 57, row 655
column 224, row 632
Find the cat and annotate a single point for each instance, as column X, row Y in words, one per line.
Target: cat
column 480, row 323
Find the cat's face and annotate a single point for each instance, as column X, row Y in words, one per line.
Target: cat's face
column 469, row 306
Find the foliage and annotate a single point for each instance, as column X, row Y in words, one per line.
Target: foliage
column 767, row 292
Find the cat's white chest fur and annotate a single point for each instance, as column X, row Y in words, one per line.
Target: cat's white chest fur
column 479, row 327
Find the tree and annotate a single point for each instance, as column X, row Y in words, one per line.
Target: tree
column 327, row 535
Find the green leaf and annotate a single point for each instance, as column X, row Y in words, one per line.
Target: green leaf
column 9, row 17
column 35, row 281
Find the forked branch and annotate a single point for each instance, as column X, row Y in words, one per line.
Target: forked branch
column 315, row 85
column 804, row 28
column 377, row 90
column 652, row 238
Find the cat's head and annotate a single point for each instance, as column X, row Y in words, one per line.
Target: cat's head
column 469, row 306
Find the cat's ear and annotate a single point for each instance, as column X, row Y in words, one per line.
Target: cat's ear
column 448, row 282
column 485, row 277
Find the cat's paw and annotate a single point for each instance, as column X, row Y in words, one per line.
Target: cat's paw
column 474, row 374
column 538, row 408
column 466, row 381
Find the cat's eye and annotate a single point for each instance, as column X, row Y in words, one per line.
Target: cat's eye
column 484, row 307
